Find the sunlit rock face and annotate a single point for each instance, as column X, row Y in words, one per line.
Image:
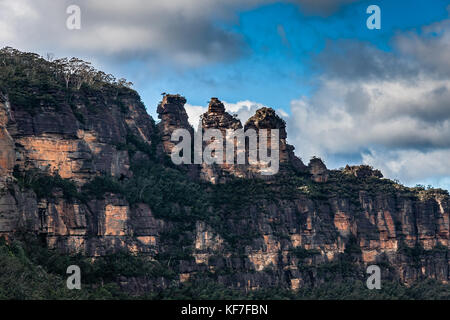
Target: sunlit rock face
column 79, row 141
column 7, row 152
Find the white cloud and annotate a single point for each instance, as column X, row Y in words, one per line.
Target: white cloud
column 243, row 109
column 186, row 33
column 413, row 166
column 394, row 115
column 194, row 113
column 431, row 47
column 176, row 31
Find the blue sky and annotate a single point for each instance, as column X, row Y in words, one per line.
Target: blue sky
column 273, row 71
column 348, row 94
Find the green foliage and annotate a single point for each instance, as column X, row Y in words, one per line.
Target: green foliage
column 390, row 290
column 136, row 144
column 352, row 247
column 22, row 279
column 341, row 268
column 44, row 185
column 415, row 253
column 108, row 268
column 302, row 253
column 343, row 290
column 167, row 191
column 31, row 82
column 31, row 271
column 101, row 185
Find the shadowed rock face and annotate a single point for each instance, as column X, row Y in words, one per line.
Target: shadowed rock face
column 318, row 170
column 266, row 118
column 216, row 106
column 173, row 116
column 218, row 118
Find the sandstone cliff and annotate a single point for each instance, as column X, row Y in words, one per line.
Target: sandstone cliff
column 87, row 174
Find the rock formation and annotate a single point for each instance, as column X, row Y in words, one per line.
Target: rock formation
column 318, row 170
column 217, row 118
column 266, row 118
column 363, row 171
column 77, row 142
column 292, row 230
column 173, row 116
column 7, row 153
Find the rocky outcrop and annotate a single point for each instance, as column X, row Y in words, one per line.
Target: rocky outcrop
column 363, row 171
column 267, row 119
column 217, row 118
column 318, row 170
column 173, row 116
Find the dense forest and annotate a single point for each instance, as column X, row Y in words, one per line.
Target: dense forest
column 30, row 271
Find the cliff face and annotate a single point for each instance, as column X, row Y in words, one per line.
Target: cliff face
column 298, row 228
column 77, row 141
column 7, row 155
column 78, row 149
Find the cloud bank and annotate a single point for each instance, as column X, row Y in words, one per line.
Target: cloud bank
column 387, row 109
column 185, row 33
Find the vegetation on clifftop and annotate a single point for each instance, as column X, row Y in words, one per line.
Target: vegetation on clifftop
column 30, row 82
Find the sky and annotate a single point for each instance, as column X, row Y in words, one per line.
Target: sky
column 349, row 95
